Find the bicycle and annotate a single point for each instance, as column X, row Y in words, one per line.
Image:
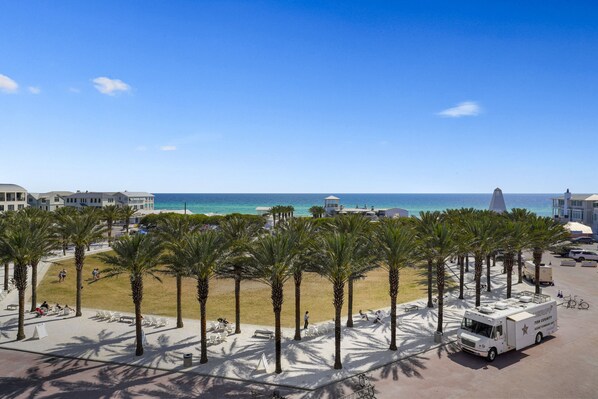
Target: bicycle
column 571, row 303
column 583, row 305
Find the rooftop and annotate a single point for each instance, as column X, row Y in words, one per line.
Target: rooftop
column 11, row 187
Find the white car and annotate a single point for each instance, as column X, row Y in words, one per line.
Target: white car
column 583, row 255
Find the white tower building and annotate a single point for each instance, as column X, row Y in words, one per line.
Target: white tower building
column 497, row 203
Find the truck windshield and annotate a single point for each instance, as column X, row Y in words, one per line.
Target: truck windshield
column 476, row 327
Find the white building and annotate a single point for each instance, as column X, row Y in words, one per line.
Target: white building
column 90, row 199
column 497, row 203
column 48, row 201
column 136, row 200
column 12, row 197
column 581, row 208
column 333, row 207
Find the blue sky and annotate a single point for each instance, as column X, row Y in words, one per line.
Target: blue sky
column 256, row 96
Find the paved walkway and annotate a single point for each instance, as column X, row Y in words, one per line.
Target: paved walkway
column 307, row 364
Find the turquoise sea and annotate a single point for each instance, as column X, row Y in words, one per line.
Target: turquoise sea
column 541, row 204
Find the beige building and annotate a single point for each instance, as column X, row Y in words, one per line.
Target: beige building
column 90, row 199
column 12, row 197
column 136, row 200
column 48, row 201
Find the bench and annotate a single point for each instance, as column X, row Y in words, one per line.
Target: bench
column 266, row 333
column 568, row 262
column 12, row 306
column 409, row 308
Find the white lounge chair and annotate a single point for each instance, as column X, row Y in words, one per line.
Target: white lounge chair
column 212, row 326
column 162, row 322
column 223, row 336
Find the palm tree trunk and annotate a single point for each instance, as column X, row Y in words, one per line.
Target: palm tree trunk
column 21, row 284
column 509, row 260
column 338, row 306
column 277, row 298
column 202, row 297
column 350, row 303
column 461, row 276
column 488, row 273
column 467, row 263
column 297, row 277
column 6, row 271
column 137, row 291
column 179, row 310
column 478, row 278
column 393, row 282
column 109, row 222
column 33, row 286
column 519, row 267
column 440, row 285
column 537, row 261
column 430, row 302
column 237, row 304
column 79, row 259
column 64, row 247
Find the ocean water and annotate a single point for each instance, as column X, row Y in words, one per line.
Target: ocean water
column 540, row 204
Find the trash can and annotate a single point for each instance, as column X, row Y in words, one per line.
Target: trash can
column 437, row 337
column 187, row 359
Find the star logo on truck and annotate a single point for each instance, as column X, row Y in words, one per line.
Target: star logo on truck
column 524, row 329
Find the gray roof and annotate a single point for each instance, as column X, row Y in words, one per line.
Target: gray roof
column 577, row 197
column 135, row 194
column 91, row 194
column 10, row 187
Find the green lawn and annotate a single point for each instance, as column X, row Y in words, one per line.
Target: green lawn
column 256, row 307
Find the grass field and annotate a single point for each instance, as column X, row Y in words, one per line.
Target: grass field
column 256, row 306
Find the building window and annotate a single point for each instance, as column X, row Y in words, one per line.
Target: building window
column 56, row 199
column 577, row 214
column 1, row 208
column 576, row 203
column 2, row 197
column 11, row 207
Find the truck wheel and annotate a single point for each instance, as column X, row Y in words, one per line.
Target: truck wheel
column 538, row 338
column 491, row 355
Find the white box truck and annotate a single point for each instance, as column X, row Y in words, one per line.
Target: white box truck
column 529, row 272
column 509, row 324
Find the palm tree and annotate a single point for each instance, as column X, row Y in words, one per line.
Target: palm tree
column 493, row 219
column 479, row 232
column 396, row 245
column 42, row 244
column 138, row 256
column 424, row 225
column 302, row 231
column 441, row 242
column 239, row 232
column 272, row 263
column 82, row 229
column 524, row 216
column 4, row 257
column 357, row 226
column 17, row 244
column 110, row 213
column 317, row 211
column 513, row 233
column 205, row 252
column 172, row 231
column 60, row 216
column 544, row 232
column 336, row 262
column 126, row 213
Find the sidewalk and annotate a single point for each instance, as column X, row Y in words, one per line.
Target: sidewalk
column 306, row 364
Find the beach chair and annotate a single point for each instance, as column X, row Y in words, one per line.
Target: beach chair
column 312, row 331
column 153, row 321
column 99, row 314
column 162, row 322
column 65, row 312
column 223, row 336
column 230, row 328
column 213, row 326
column 214, row 338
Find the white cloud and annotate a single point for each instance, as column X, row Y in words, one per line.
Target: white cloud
column 7, row 85
column 34, row 90
column 110, row 86
column 168, row 148
column 74, row 90
column 467, row 108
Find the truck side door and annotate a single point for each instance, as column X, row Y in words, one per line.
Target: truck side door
column 499, row 337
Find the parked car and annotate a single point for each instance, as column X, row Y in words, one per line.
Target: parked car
column 582, row 240
column 584, row 255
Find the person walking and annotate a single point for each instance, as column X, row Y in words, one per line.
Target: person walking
column 306, row 320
